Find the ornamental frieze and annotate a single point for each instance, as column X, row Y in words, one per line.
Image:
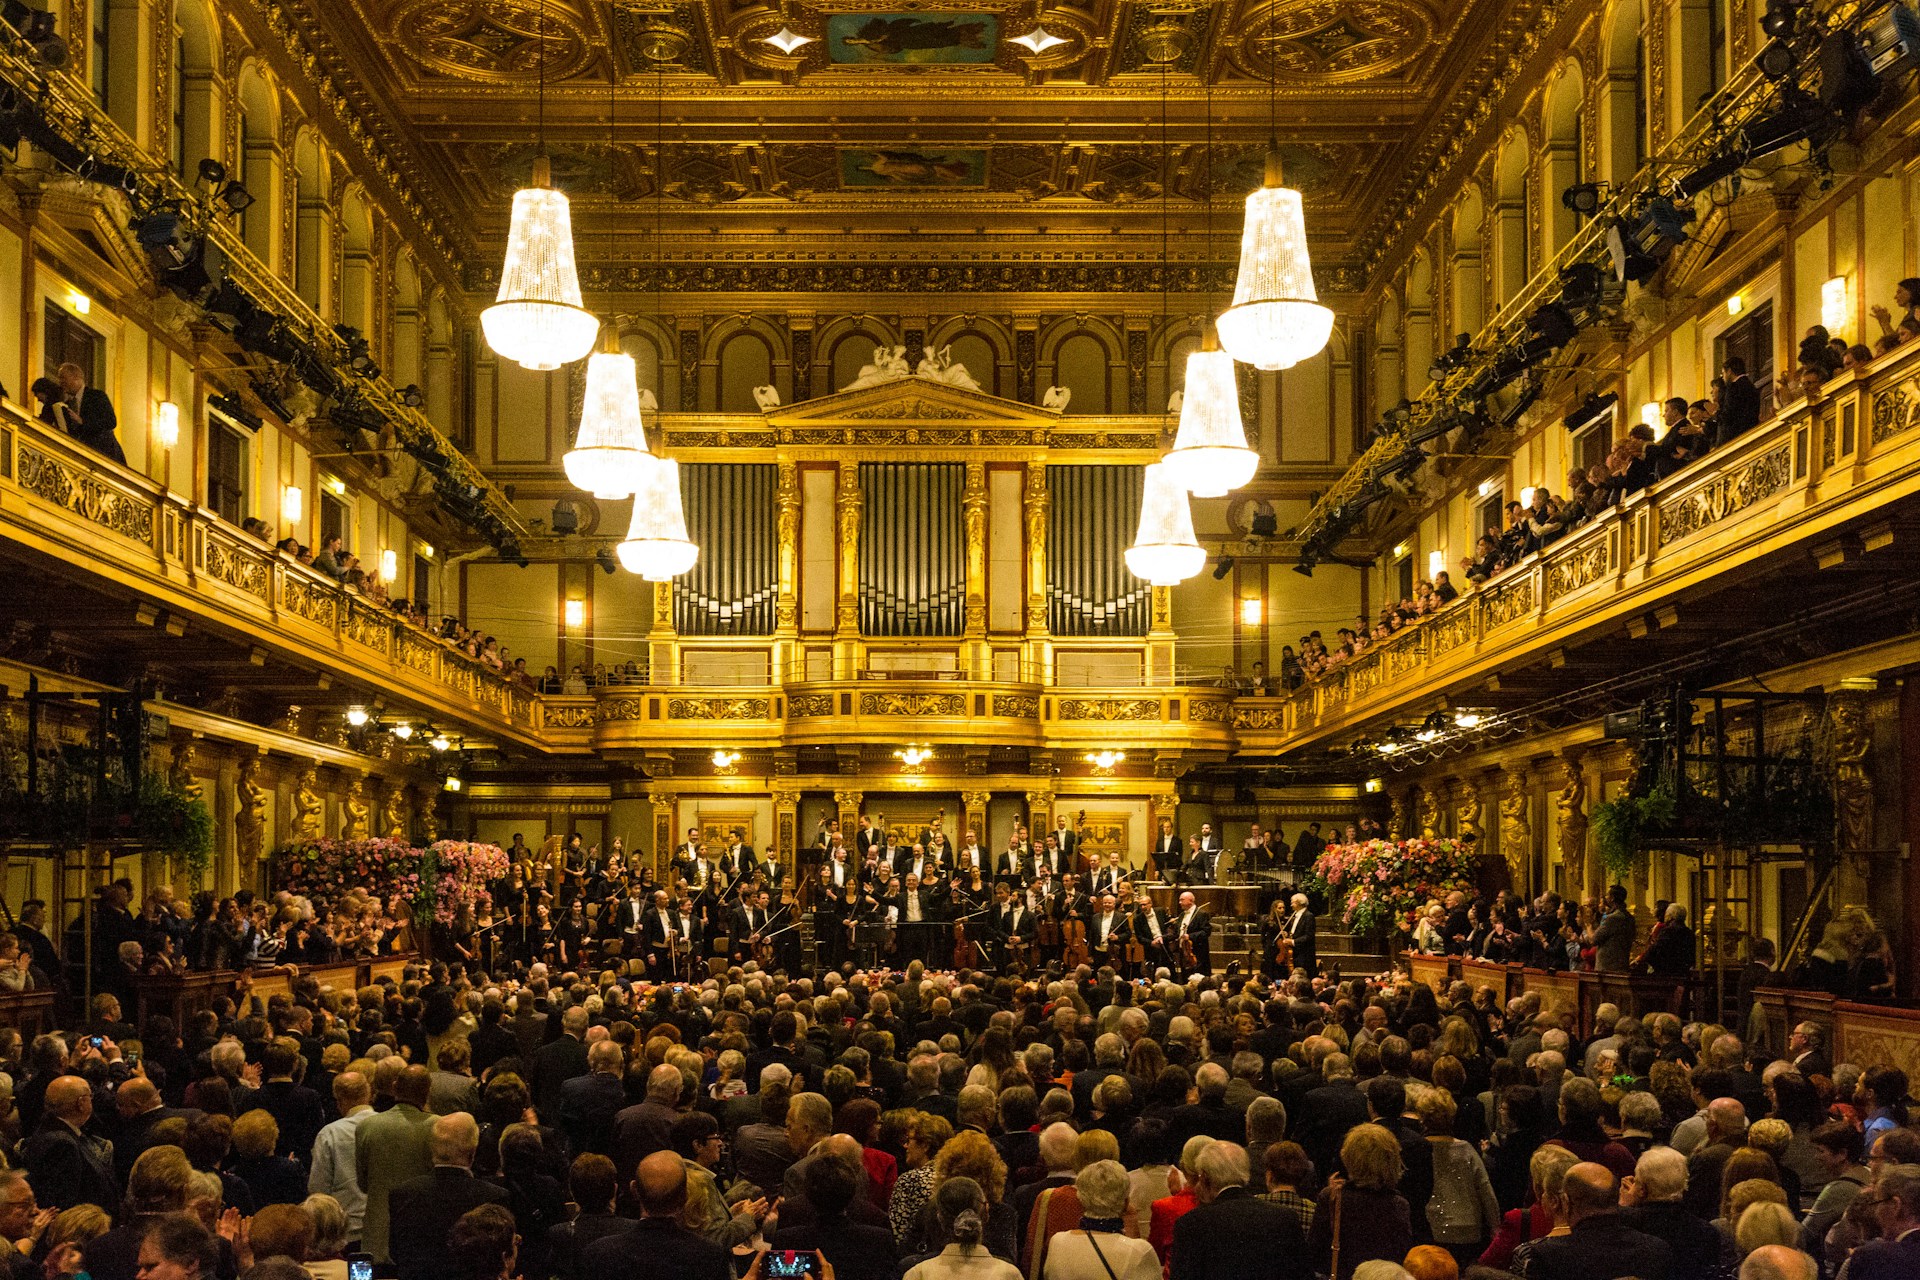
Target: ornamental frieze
column 1727, row 495
column 912, row 704
column 717, row 708
column 1129, row 709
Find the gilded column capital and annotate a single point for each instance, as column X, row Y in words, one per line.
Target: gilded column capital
column 785, row 798
column 975, row 799
column 661, row 799
column 849, row 799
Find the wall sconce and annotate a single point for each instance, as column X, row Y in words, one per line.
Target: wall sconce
column 1436, row 564
column 1373, row 785
column 389, row 565
column 1486, row 487
column 1399, row 549
column 439, row 741
column 1104, row 761
column 293, row 504
column 1526, row 496
column 724, row 760
column 357, row 715
column 1251, row 610
column 576, row 612
column 403, row 731
column 166, row 424
column 453, row 782
column 1736, row 304
column 1834, row 311
column 335, row 485
column 426, row 551
column 78, row 303
column 914, row 758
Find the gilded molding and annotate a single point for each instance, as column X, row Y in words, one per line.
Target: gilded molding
column 1016, row 706
column 913, row 704
column 1110, row 709
column 91, row 499
column 1727, row 494
column 718, row 708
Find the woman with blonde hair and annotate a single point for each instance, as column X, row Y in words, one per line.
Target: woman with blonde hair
column 1763, row 1223
column 1097, row 1249
column 1362, row 1216
column 66, row 1239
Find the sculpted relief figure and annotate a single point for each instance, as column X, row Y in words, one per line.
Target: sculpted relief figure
column 939, row 366
column 888, row 364
column 393, row 813
column 307, row 807
column 1571, row 806
column 250, row 811
column 1516, row 831
column 1429, row 813
column 354, row 823
column 1056, row 399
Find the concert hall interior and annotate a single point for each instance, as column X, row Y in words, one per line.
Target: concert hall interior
column 1447, row 459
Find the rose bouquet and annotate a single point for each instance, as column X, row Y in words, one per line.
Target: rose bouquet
column 1380, row 885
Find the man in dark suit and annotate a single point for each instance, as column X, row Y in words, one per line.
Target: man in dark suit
column 67, row 1165
column 1014, row 926
column 1197, row 926
column 1207, row 866
column 1807, row 1048
column 83, row 412
column 1739, row 402
column 555, row 1064
column 140, row 1108
column 1307, row 848
column 1233, row 1234
column 1601, row 1246
column 1167, row 848
column 294, row 1107
column 737, row 858
column 1303, row 929
column 1329, row 1111
column 1209, row 1114
column 1896, row 1254
column 589, row 1103
column 425, row 1209
column 647, row 1127
column 658, row 1247
column 858, row 1250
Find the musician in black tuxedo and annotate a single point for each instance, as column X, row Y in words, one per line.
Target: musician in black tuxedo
column 1307, row 848
column 912, row 860
column 1167, row 849
column 1013, row 866
column 625, row 918
column 737, row 860
column 1109, row 930
column 1197, row 926
column 1107, row 877
column 748, row 925
column 839, row 870
column 1066, row 837
column 867, row 837
column 1014, row 926
column 1301, row 928
column 659, row 929
column 1152, row 928
column 971, row 854
column 771, row 870
column 1050, row 858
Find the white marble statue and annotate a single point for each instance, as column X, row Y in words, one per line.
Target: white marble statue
column 1056, row 399
column 1175, row 400
column 940, row 366
column 648, row 402
column 889, row 364
column 767, row 397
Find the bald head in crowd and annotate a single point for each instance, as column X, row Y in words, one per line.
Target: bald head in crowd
column 1778, row 1262
column 1589, row 1190
column 660, row 1185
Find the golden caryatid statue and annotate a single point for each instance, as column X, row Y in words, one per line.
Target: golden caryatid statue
column 429, row 816
column 355, row 812
column 1467, row 808
column 1570, row 834
column 1429, row 813
column 308, row 807
column 1516, row 831
column 180, row 772
column 393, row 812
column 1849, row 746
column 250, row 812
column 1397, row 816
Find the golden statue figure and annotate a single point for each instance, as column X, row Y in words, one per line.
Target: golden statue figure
column 1429, row 813
column 393, row 812
column 250, row 812
column 1466, row 815
column 180, row 772
column 1850, row 744
column 1397, row 818
column 354, row 823
column 1516, row 831
column 307, row 807
column 429, row 819
column 1571, row 834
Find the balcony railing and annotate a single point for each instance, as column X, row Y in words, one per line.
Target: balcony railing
column 1817, row 467
column 69, row 503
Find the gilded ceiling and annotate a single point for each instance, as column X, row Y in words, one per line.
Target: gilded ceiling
column 905, row 131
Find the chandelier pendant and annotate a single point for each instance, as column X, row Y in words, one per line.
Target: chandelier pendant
column 1210, row 457
column 611, row 448
column 1164, row 550
column 537, row 320
column 1276, row 319
column 657, row 547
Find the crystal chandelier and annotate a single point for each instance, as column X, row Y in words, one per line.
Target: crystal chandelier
column 537, row 320
column 608, row 454
column 1210, row 457
column 1276, row 319
column 657, row 547
column 1164, row 551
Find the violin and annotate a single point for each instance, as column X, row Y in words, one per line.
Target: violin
column 1073, row 940
column 1283, row 954
column 962, row 948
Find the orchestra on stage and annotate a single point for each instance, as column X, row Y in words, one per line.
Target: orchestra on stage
column 886, row 897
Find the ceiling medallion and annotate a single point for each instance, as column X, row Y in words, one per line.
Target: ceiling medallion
column 499, row 42
column 1164, row 42
column 658, row 41
column 1039, row 40
column 1331, row 41
column 787, row 40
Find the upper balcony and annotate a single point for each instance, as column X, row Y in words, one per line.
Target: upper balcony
column 1827, row 485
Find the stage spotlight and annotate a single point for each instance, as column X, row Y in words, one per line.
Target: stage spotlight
column 1801, row 118
column 1583, row 197
column 212, row 172
column 1777, row 60
column 1222, row 567
column 236, row 197
column 1581, row 285
column 39, row 29
column 604, row 557
column 1553, row 325
column 411, row 395
column 1453, row 358
column 566, row 518
column 1780, row 18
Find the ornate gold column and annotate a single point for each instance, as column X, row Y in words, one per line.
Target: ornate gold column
column 663, row 642
column 1039, row 645
column 979, row 660
column 355, row 813
column 975, row 805
column 663, row 801
column 1850, row 747
column 847, row 506
column 1039, row 816
column 848, row 803
column 786, row 824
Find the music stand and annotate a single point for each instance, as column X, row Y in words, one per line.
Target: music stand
column 868, row 939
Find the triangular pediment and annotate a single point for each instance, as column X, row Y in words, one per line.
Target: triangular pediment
column 910, row 401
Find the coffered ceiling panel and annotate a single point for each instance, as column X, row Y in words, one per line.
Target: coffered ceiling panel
column 906, row 120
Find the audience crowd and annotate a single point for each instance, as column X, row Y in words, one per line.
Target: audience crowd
column 540, row 1123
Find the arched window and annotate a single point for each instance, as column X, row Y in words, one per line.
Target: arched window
column 356, row 266
column 1080, row 365
column 646, row 364
column 852, row 353
column 257, row 167
column 1561, row 165
column 1417, row 334
column 1623, row 99
column 1513, row 265
column 312, row 223
column 746, row 362
column 1469, row 306
column 976, row 353
column 196, row 98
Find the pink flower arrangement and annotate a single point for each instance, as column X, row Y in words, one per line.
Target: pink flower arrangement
column 436, row 882
column 1381, row 884
column 459, row 872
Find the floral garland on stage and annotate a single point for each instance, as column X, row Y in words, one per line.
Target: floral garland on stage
column 437, row 882
column 1379, row 885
